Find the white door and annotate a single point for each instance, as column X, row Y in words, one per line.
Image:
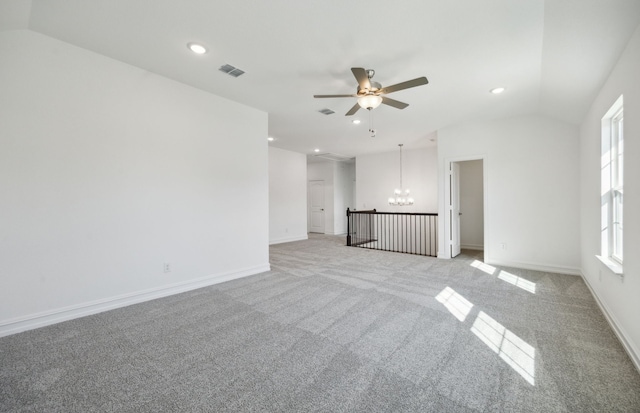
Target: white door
column 316, row 206
column 454, row 209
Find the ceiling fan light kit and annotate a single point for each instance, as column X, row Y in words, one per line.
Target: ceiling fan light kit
column 369, row 101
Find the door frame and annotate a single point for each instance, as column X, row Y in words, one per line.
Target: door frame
column 444, row 248
column 453, row 205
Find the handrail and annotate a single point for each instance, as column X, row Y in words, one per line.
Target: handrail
column 373, row 211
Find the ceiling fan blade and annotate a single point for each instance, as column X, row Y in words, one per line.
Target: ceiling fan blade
column 404, row 85
column 335, row 96
column 353, row 110
column 361, row 77
column 394, row 103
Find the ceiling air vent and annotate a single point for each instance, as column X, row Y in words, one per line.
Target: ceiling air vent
column 333, row 156
column 231, row 70
column 326, row 111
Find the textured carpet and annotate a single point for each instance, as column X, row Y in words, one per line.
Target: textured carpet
column 335, row 329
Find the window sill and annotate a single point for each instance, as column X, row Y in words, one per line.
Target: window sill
column 615, row 267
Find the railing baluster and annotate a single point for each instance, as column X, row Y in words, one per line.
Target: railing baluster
column 405, row 247
column 428, row 223
column 414, row 247
column 429, row 233
column 388, row 225
column 395, row 232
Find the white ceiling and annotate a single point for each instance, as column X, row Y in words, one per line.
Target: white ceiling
column 552, row 56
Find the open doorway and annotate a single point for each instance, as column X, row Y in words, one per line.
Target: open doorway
column 471, row 205
column 466, row 202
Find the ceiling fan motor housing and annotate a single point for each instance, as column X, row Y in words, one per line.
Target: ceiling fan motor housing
column 374, row 87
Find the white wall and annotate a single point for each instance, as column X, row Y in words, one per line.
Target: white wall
column 531, row 166
column 619, row 297
column 377, row 175
column 471, row 205
column 287, row 196
column 107, row 172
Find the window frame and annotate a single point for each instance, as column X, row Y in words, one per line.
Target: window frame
column 612, row 188
column 617, row 187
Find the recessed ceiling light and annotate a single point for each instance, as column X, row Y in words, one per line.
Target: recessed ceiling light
column 316, row 150
column 270, row 139
column 356, row 121
column 497, row 90
column 197, row 48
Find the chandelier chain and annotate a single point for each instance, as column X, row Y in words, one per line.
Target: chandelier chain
column 401, row 187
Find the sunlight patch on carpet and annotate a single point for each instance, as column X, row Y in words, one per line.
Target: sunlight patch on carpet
column 516, row 352
column 506, row 276
column 518, row 281
column 455, row 303
column 489, row 269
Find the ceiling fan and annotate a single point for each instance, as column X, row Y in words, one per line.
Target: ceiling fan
column 370, row 93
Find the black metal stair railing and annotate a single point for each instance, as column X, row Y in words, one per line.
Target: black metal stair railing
column 406, row 232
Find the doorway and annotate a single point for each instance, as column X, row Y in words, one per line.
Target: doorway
column 316, row 206
column 465, row 205
column 472, row 205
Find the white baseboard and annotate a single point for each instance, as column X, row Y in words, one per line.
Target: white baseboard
column 46, row 318
column 477, row 247
column 631, row 350
column 534, row 266
column 288, row 239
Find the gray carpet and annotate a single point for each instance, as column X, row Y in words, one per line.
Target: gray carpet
column 335, row 329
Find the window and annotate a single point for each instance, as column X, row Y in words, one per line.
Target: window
column 617, row 180
column 612, row 187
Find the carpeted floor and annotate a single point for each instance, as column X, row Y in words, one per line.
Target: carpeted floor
column 335, row 329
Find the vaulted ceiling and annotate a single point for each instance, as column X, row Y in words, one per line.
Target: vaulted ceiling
column 551, row 56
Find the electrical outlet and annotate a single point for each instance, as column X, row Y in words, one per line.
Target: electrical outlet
column 167, row 267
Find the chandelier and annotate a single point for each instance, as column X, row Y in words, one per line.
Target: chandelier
column 400, row 196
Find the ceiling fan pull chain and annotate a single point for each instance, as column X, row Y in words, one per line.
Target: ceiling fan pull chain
column 373, row 131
